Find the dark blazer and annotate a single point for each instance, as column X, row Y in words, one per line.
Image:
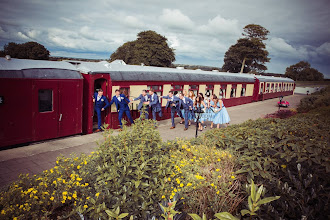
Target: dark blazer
column 142, row 99
column 188, row 105
column 169, row 101
column 102, row 103
column 120, row 105
column 154, row 103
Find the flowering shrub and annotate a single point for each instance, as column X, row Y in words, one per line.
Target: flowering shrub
column 282, row 114
column 205, row 177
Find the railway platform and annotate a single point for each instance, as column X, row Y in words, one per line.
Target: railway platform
column 36, row 157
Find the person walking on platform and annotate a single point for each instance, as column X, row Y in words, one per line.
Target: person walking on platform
column 155, row 104
column 144, row 101
column 101, row 103
column 186, row 104
column 173, row 103
column 121, row 102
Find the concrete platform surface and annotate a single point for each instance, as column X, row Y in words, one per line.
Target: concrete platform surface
column 36, row 157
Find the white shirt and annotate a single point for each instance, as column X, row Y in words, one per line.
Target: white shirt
column 146, row 98
column 152, row 97
column 119, row 99
column 184, row 100
column 98, row 98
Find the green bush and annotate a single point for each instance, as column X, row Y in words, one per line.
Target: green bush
column 315, row 100
column 269, row 151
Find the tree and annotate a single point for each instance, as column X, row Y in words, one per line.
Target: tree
column 28, row 50
column 303, row 71
column 249, row 54
column 149, row 48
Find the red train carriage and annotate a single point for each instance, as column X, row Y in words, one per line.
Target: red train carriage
column 47, row 99
column 236, row 89
column 39, row 100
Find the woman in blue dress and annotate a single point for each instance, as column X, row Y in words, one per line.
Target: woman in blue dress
column 199, row 104
column 220, row 113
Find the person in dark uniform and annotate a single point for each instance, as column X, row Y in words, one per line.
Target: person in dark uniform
column 101, row 103
column 121, row 102
column 155, row 104
column 186, row 104
column 173, row 103
column 144, row 100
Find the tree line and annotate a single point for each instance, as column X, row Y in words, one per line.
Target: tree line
column 247, row 55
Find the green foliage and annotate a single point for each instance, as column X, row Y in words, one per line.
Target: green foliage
column 316, row 100
column 249, row 52
column 302, row 71
column 28, row 50
column 205, row 178
column 268, row 148
column 149, row 48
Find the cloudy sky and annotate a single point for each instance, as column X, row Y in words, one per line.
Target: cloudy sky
column 199, row 31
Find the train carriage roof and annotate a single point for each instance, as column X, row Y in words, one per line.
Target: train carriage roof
column 120, row 72
column 39, row 69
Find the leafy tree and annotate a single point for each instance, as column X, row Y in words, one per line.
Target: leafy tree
column 303, row 71
column 28, row 50
column 249, row 54
column 149, row 48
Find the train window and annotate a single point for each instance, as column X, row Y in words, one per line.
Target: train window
column 157, row 89
column 125, row 91
column 272, row 88
column 176, row 89
column 243, row 91
column 222, row 93
column 209, row 90
column 233, row 91
column 194, row 88
column 45, row 97
column 279, row 87
column 261, row 88
column 267, row 88
column 276, row 88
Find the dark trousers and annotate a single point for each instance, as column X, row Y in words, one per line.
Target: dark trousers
column 186, row 118
column 99, row 117
column 128, row 114
column 173, row 111
column 154, row 114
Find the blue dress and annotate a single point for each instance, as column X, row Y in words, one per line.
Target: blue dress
column 222, row 116
column 210, row 113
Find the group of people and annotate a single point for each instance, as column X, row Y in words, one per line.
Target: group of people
column 188, row 107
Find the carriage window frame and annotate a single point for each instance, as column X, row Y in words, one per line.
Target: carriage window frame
column 128, row 90
column 272, row 88
column 175, row 90
column 267, row 88
column 45, row 101
column 261, row 88
column 276, row 87
column 223, row 91
column 243, row 90
column 210, row 88
column 233, row 91
column 158, row 90
column 195, row 90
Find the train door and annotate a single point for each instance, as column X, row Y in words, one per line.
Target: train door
column 70, row 104
column 45, row 109
column 101, row 84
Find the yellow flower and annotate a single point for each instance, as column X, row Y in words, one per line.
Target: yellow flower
column 65, row 193
column 78, row 167
column 283, row 166
column 219, row 176
column 189, row 184
column 87, row 198
column 85, row 206
column 219, row 159
column 181, row 185
column 212, row 184
column 15, row 218
column 233, row 177
column 74, row 195
column 217, row 170
column 51, row 198
column 97, row 194
column 163, row 197
column 218, row 192
column 169, row 179
column 3, row 212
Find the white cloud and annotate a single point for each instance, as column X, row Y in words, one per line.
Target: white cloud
column 22, row 36
column 324, row 49
column 221, row 26
column 174, row 18
column 132, row 21
column 279, row 47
